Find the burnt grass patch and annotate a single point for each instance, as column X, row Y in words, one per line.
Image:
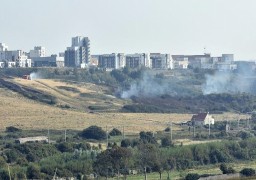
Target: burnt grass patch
column 29, row 92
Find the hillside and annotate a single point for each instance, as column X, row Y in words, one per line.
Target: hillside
column 26, row 113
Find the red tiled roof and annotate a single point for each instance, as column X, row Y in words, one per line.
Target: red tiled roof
column 199, row 117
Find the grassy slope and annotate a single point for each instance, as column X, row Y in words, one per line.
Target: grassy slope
column 24, row 113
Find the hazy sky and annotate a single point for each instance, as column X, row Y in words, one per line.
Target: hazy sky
column 129, row 26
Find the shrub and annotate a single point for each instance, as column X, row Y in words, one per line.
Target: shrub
column 93, row 132
column 12, row 129
column 248, row 172
column 126, row 143
column 166, row 142
column 115, row 132
column 226, row 170
column 33, row 172
column 192, row 176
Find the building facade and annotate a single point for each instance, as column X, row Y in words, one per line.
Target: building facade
column 16, row 58
column 111, row 61
column 50, row 61
column 136, row 60
column 38, row 51
column 79, row 53
column 3, row 47
column 160, row 61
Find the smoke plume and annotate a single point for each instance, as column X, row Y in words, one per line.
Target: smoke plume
column 36, row 75
column 242, row 81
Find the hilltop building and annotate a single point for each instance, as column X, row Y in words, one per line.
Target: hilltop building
column 111, row 61
column 160, row 61
column 48, row 61
column 78, row 55
column 14, row 58
column 38, row 51
column 3, row 47
column 136, row 60
column 224, row 62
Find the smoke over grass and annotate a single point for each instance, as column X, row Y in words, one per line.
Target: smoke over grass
column 37, row 75
column 151, row 85
column 242, row 81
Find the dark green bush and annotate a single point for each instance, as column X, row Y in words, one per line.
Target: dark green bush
column 93, row 132
column 248, row 172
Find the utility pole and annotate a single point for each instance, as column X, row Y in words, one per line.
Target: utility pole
column 9, row 172
column 65, row 136
column 194, row 129
column 55, row 174
column 48, row 134
column 107, row 135
column 123, row 133
column 209, row 129
column 171, row 130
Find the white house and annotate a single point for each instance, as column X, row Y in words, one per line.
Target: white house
column 202, row 119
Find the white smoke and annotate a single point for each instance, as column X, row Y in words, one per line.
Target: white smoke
column 229, row 82
column 36, row 75
column 148, row 86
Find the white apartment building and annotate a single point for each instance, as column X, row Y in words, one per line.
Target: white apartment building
column 111, row 61
column 78, row 55
column 161, row 61
column 16, row 58
column 38, row 51
column 3, row 47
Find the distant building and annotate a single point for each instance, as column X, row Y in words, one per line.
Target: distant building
column 15, row 58
column 245, row 66
column 38, row 51
column 194, row 61
column 94, row 60
column 181, row 63
column 160, row 61
column 3, row 47
column 111, row 61
column 79, row 53
column 50, row 61
column 136, row 60
column 202, row 119
column 32, row 139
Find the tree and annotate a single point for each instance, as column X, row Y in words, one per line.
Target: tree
column 148, row 158
column 33, row 172
column 126, row 143
column 248, row 172
column 115, row 132
column 226, row 170
column 147, row 137
column 4, row 175
column 166, row 142
column 112, row 161
column 12, row 129
column 93, row 132
column 192, row 176
column 65, row 147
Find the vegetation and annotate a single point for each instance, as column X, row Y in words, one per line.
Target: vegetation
column 93, row 132
column 248, row 172
column 115, row 132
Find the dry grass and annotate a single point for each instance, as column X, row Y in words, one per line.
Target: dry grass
column 23, row 113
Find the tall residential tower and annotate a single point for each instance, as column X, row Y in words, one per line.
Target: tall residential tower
column 78, row 55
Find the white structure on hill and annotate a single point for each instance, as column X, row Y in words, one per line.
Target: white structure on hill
column 78, row 55
column 3, row 47
column 15, row 58
column 38, row 51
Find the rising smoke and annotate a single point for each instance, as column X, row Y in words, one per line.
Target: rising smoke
column 242, row 81
column 36, row 75
column 150, row 86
